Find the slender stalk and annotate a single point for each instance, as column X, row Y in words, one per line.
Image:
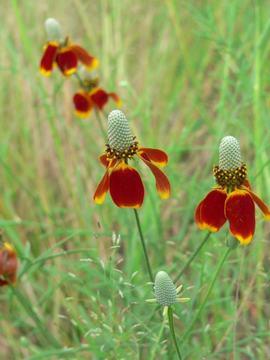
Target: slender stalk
column 100, row 124
column 47, row 335
column 199, row 311
column 236, row 301
column 192, row 257
column 170, row 317
column 144, row 246
column 77, row 76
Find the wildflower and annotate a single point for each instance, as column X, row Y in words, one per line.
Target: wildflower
column 232, row 199
column 8, row 264
column 91, row 96
column 63, row 52
column 122, row 180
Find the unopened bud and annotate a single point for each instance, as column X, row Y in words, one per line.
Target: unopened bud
column 165, row 290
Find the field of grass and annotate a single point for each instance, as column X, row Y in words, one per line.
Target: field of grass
column 188, row 73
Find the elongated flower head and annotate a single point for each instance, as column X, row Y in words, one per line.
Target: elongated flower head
column 53, row 29
column 229, row 153
column 121, row 179
column 232, row 199
column 231, row 171
column 165, row 290
column 119, row 133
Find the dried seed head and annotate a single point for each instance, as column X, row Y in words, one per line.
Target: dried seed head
column 53, row 29
column 229, row 153
column 165, row 290
column 119, row 133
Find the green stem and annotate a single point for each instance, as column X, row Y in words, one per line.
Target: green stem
column 192, row 257
column 100, row 124
column 170, row 317
column 29, row 309
column 144, row 246
column 199, row 311
column 77, row 76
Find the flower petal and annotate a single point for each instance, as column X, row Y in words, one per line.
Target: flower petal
column 209, row 213
column 102, row 189
column 126, row 186
column 48, row 58
column 103, row 160
column 198, row 218
column 116, row 98
column 87, row 59
column 99, row 97
column 66, row 59
column 162, row 182
column 240, row 212
column 83, row 104
column 156, row 156
column 8, row 265
column 264, row 208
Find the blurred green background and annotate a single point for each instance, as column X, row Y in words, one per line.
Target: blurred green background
column 189, row 73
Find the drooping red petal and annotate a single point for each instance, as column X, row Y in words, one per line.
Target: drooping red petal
column 240, row 212
column 102, row 189
column 83, row 104
column 48, row 58
column 197, row 216
column 126, row 186
column 209, row 213
column 162, row 182
column 264, row 208
column 156, row 156
column 103, row 159
column 66, row 60
column 82, row 55
column 99, row 97
column 116, row 98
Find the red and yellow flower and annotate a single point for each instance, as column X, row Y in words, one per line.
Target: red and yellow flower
column 63, row 53
column 66, row 56
column 96, row 98
column 232, row 199
column 8, row 264
column 122, row 180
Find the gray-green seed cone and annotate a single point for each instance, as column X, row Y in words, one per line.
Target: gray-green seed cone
column 53, row 30
column 229, row 153
column 165, row 290
column 119, row 133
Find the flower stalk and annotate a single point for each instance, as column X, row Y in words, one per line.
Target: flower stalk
column 193, row 256
column 209, row 290
column 150, row 273
column 171, row 325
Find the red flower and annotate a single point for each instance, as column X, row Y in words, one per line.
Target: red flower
column 85, row 101
column 232, row 199
column 121, row 179
column 66, row 56
column 8, row 264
